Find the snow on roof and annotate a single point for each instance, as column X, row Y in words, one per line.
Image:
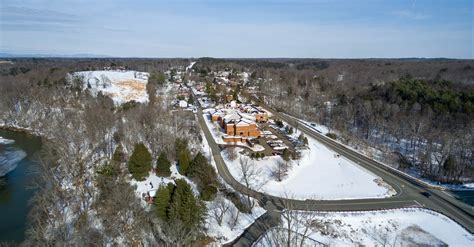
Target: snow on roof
column 218, row 113
column 248, row 121
column 152, row 193
column 232, row 116
column 242, row 123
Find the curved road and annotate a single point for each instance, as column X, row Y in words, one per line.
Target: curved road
column 408, row 189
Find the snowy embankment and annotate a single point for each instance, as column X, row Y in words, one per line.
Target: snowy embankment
column 121, row 86
column 319, row 174
column 399, row 227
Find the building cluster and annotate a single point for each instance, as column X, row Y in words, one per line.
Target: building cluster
column 239, row 121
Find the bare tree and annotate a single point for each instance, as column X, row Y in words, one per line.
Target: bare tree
column 251, row 177
column 280, row 170
column 295, row 228
column 234, row 217
column 231, row 153
column 381, row 236
column 219, row 208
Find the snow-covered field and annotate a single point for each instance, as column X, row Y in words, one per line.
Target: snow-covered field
column 400, row 227
column 121, row 86
column 319, row 174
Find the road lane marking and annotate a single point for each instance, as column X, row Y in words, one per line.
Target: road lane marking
column 418, row 203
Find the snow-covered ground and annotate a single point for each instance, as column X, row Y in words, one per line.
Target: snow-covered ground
column 229, row 230
column 400, row 227
column 319, row 174
column 121, row 86
column 152, row 183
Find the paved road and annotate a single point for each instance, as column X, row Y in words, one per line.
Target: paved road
column 408, row 189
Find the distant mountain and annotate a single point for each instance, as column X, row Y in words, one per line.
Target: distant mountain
column 26, row 55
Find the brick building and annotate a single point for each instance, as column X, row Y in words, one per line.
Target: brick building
column 236, row 127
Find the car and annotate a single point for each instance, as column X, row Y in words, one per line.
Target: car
column 425, row 194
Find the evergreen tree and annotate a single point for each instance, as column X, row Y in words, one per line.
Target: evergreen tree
column 119, row 155
column 139, row 164
column 204, row 175
column 290, row 131
column 184, row 206
column 181, row 146
column 183, row 161
column 162, row 202
column 163, row 165
column 301, row 137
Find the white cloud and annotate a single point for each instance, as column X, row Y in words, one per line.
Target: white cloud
column 407, row 14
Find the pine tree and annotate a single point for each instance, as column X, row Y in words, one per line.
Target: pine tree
column 204, row 175
column 184, row 206
column 119, row 155
column 163, row 165
column 181, row 146
column 301, row 137
column 197, row 164
column 183, row 161
column 162, row 202
column 139, row 164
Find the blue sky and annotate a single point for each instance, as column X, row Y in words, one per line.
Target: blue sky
column 272, row 28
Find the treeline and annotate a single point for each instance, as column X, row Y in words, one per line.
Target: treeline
column 438, row 95
column 419, row 114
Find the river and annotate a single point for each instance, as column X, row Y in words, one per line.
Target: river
column 14, row 190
